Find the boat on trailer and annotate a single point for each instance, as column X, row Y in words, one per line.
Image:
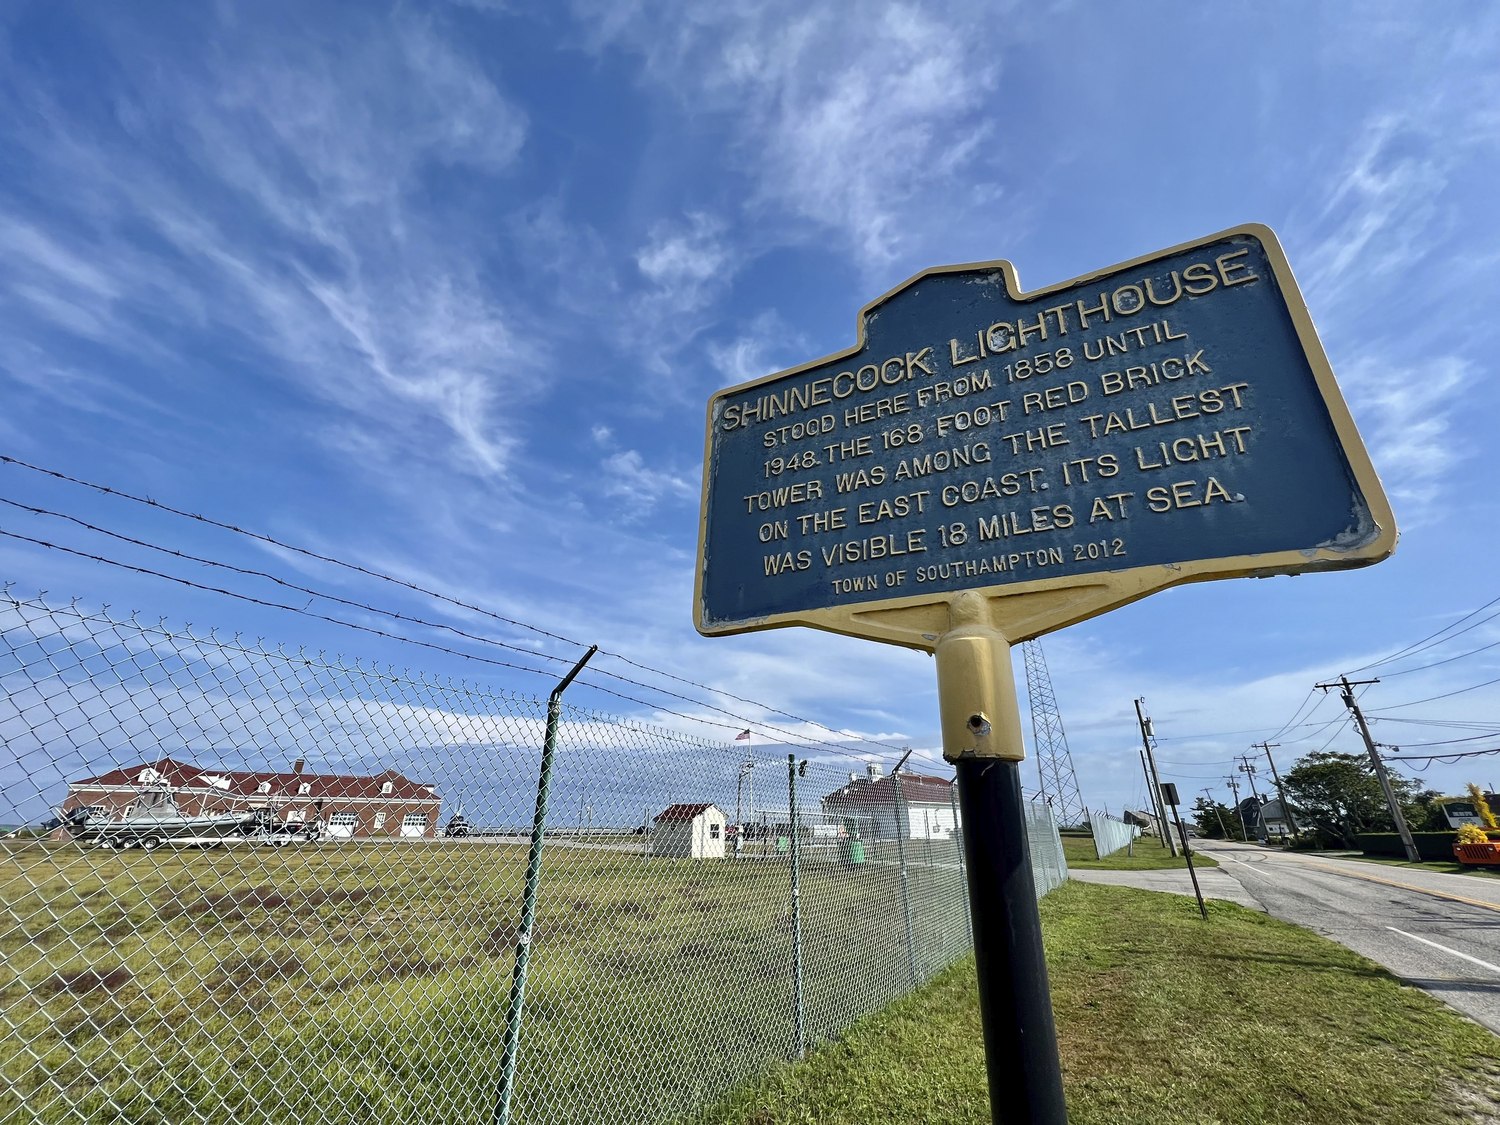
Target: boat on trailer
column 155, row 819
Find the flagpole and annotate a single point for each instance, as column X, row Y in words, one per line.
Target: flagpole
column 746, row 770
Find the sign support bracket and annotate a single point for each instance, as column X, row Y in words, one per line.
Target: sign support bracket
column 982, row 738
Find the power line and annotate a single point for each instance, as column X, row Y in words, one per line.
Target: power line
column 1460, row 724
column 107, row 490
column 1453, row 741
column 1445, row 758
column 1421, row 645
column 1445, row 695
column 1448, row 660
column 766, row 731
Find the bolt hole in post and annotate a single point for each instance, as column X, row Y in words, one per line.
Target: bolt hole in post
column 528, row 898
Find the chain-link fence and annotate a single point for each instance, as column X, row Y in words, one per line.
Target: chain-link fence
column 250, row 884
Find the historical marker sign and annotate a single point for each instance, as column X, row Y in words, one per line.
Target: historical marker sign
column 1166, row 420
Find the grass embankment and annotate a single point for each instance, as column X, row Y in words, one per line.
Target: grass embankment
column 367, row 981
column 1162, row 1019
column 1150, row 854
column 1442, row 867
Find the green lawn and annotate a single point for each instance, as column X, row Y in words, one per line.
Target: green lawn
column 366, row 982
column 1149, row 854
column 1446, row 867
column 1162, row 1019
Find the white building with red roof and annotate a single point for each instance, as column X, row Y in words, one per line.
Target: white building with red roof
column 917, row 807
column 690, row 831
column 386, row 805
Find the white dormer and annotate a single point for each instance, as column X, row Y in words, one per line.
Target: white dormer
column 387, row 787
column 149, row 776
column 304, row 789
column 214, row 781
column 263, row 787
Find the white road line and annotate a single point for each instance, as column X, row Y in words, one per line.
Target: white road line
column 1482, row 964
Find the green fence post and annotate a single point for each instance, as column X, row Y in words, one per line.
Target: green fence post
column 799, row 1025
column 911, row 937
column 963, row 876
column 528, row 899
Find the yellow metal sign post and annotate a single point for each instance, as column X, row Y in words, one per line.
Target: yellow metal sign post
column 986, row 465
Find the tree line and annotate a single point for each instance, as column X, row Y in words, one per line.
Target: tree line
column 1336, row 796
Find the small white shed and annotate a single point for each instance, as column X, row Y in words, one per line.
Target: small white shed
column 690, row 831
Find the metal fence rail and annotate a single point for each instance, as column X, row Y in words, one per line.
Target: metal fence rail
column 336, row 957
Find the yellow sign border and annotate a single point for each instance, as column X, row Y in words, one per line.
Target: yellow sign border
column 1027, row 609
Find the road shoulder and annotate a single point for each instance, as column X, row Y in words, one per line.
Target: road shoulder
column 1216, row 882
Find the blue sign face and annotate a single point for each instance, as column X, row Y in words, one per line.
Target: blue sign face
column 1160, row 413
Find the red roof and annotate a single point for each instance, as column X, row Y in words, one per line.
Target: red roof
column 916, row 789
column 247, row 783
column 685, row 812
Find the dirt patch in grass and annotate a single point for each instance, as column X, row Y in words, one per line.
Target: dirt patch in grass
column 242, row 903
column 83, row 981
column 256, row 969
column 407, row 961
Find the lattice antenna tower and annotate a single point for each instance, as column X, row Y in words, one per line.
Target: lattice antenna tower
column 1054, row 762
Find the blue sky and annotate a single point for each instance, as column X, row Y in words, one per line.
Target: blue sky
column 442, row 289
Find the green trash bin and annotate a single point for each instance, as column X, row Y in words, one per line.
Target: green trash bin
column 854, row 847
column 782, row 844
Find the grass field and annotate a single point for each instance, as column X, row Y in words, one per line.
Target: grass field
column 1149, row 854
column 1162, row 1019
column 1450, row 867
column 367, row 982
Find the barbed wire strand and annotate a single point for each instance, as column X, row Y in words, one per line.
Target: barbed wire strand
column 107, row 490
column 766, row 731
column 401, row 616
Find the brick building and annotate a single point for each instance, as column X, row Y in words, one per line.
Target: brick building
column 387, row 805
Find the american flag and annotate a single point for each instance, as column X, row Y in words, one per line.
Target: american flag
column 743, row 736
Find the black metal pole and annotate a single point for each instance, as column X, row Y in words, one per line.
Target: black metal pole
column 1020, row 1040
column 1187, row 854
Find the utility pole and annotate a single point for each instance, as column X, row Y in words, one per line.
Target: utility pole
column 1234, row 787
column 1247, row 767
column 1346, row 690
column 1215, row 806
column 1146, row 772
column 1286, row 809
column 1161, row 809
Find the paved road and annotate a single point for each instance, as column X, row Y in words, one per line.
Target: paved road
column 1412, row 922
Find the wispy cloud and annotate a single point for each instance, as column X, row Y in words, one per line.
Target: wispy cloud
column 1380, row 212
column 1407, row 415
column 639, row 487
column 767, row 345
column 844, row 119
column 280, row 208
